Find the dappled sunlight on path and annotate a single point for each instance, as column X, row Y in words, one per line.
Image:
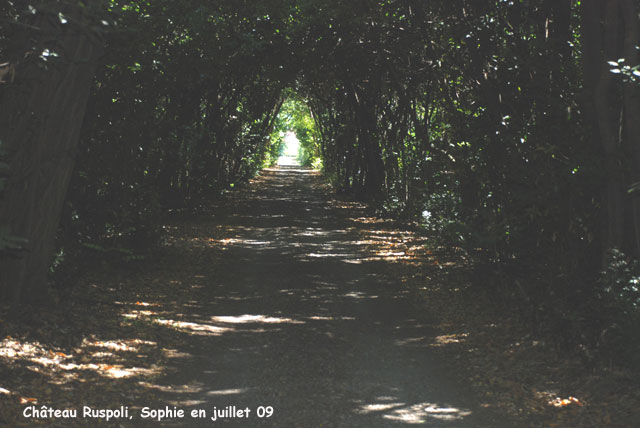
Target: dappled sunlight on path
column 277, row 297
column 301, row 310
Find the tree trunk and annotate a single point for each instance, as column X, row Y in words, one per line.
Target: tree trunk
column 41, row 116
column 631, row 95
column 375, row 172
column 600, row 43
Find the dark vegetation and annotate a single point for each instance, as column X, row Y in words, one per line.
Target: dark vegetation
column 510, row 130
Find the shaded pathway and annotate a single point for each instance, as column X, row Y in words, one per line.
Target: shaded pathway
column 291, row 308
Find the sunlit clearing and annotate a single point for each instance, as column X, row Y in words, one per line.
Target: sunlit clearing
column 290, row 154
column 292, row 144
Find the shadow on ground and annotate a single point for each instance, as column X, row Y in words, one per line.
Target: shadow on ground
column 277, row 299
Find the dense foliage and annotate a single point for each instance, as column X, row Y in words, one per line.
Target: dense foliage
column 296, row 117
column 508, row 128
column 183, row 109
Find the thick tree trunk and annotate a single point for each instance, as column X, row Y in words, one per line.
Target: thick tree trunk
column 41, row 115
column 631, row 94
column 375, row 171
column 600, row 27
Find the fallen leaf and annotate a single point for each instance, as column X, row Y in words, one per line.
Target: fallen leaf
column 564, row 402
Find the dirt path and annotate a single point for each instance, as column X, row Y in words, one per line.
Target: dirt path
column 279, row 298
column 294, row 310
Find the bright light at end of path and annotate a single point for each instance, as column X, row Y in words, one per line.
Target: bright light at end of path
column 290, row 153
